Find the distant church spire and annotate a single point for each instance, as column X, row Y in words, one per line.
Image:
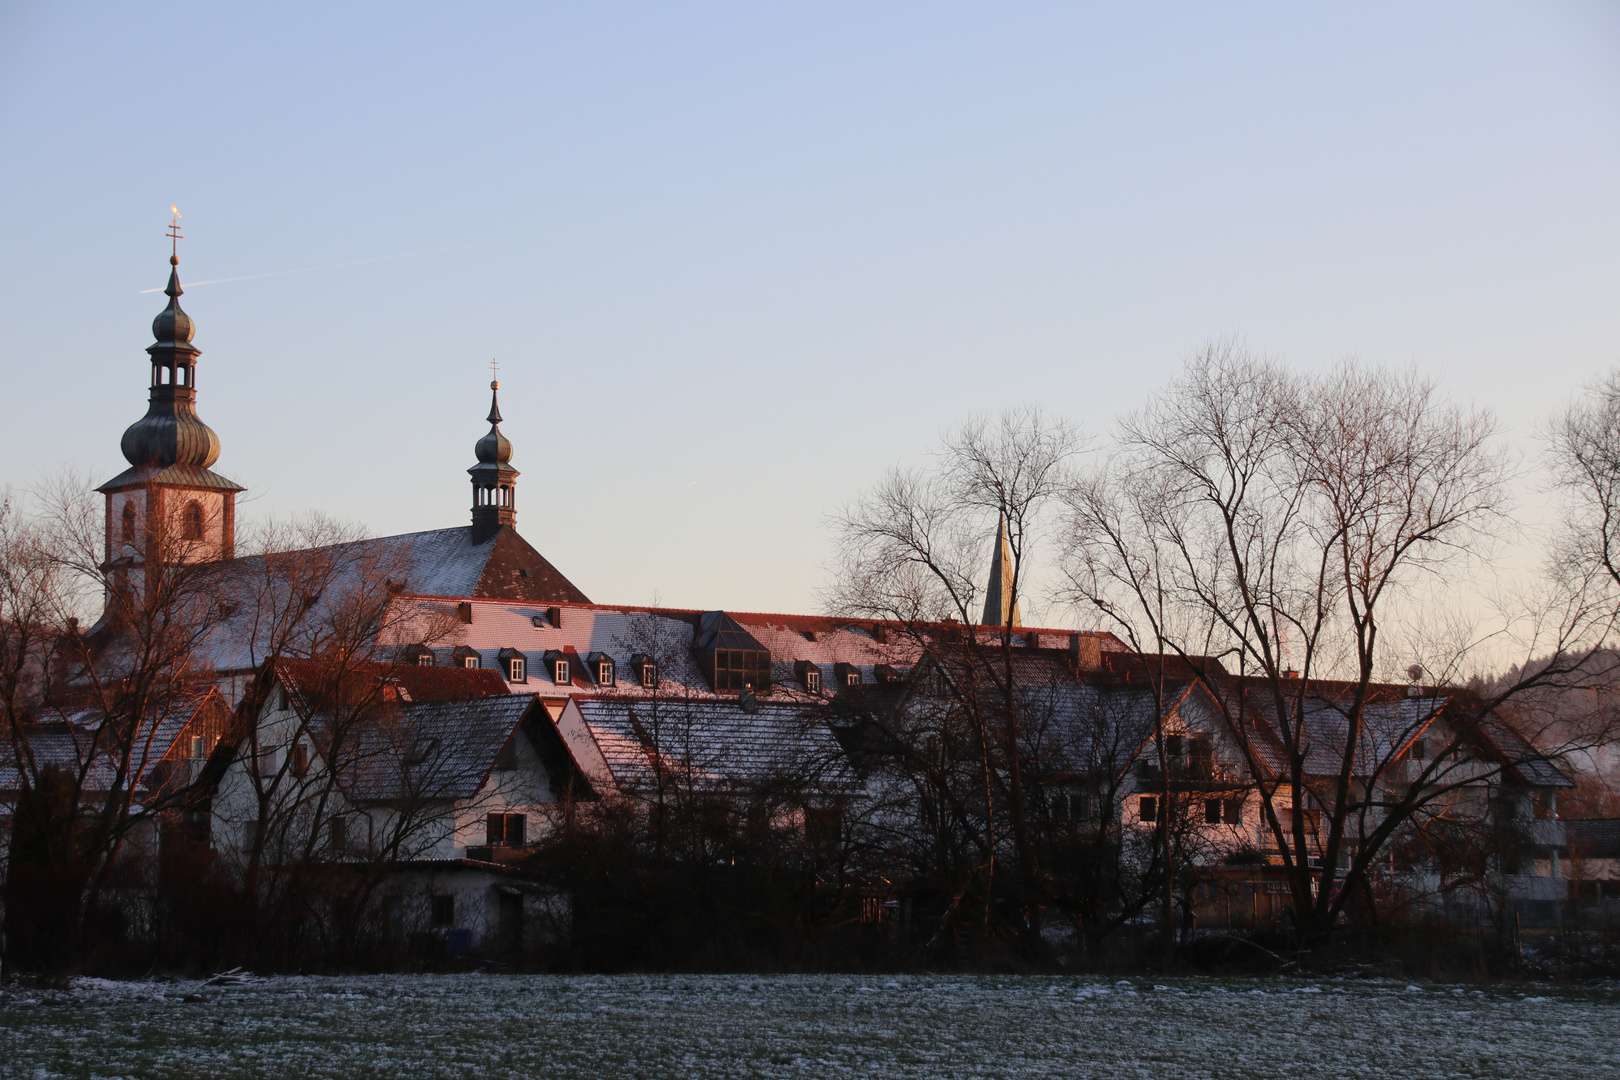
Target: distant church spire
column 494, row 480
column 1000, row 605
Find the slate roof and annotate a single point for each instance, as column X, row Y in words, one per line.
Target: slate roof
column 1526, row 764
column 68, row 739
column 432, row 750
column 1594, row 838
column 668, row 635
column 440, row 562
column 1387, row 728
column 714, row 744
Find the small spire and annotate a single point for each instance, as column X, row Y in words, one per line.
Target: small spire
column 1000, row 605
column 494, row 416
column 173, row 287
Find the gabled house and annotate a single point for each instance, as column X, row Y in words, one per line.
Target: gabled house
column 432, row 781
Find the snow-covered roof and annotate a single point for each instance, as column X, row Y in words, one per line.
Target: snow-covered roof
column 69, row 739
column 714, row 744
column 665, row 634
column 431, row 750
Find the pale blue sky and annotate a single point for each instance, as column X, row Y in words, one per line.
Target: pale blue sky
column 753, row 254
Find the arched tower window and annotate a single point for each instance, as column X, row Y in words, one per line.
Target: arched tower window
column 191, row 525
column 129, row 523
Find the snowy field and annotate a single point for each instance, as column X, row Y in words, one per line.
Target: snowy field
column 804, row 1026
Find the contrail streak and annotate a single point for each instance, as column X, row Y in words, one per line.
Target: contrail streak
column 355, row 262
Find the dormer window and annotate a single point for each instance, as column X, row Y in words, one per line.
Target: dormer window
column 730, row 656
column 559, row 667
column 646, row 671
column 601, row 667
column 810, row 676
column 420, row 655
column 466, row 658
column 847, row 674
column 514, row 665
column 884, row 673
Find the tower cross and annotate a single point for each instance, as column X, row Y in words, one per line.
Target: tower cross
column 494, row 371
column 174, row 232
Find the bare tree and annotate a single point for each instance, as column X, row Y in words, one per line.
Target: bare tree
column 911, row 551
column 91, row 714
column 1287, row 528
column 1583, row 452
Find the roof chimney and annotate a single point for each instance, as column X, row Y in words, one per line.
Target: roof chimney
column 1085, row 651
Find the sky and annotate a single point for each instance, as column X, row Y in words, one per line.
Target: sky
column 736, row 260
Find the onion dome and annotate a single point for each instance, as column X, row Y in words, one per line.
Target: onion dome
column 494, row 448
column 172, row 326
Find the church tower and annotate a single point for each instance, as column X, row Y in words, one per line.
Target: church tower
column 168, row 506
column 494, row 481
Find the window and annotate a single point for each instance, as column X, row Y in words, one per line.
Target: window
column 515, row 670
column 339, row 834
column 443, row 911
column 1232, row 811
column 129, row 523
column 191, row 524
column 469, row 661
column 735, row 669
column 559, row 672
column 646, row 671
column 604, row 672
column 199, row 747
column 505, row 830
column 424, row 659
column 847, row 674
column 300, row 759
column 1420, row 749
column 1148, row 808
column 812, row 679
column 1212, row 811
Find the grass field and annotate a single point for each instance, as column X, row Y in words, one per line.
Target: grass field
column 804, row 1026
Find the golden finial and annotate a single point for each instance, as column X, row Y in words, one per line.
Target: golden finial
column 174, row 235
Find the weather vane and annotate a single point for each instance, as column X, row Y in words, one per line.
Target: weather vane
column 174, row 233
